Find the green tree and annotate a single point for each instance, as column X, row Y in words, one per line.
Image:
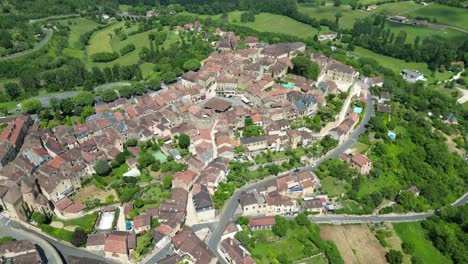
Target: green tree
column 109, row 95
column 3, row 110
column 305, row 67
column 144, row 245
column 39, row 218
column 167, row 182
column 31, row 106
column 191, row 65
column 302, row 219
column 83, row 99
column 242, row 220
column 408, row 247
column 145, row 160
column 102, row 168
column 13, row 90
column 184, row 141
column 79, row 237
column 394, row 257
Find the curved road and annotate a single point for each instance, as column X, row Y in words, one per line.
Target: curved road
column 49, row 33
column 50, row 246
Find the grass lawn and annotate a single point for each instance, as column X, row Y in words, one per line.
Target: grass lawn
column 267, row 245
column 266, row 22
column 376, row 184
column 398, row 8
column 444, row 14
column 351, row 206
column 334, row 187
column 86, row 222
column 59, row 233
column 413, row 232
column 398, row 65
column 328, row 12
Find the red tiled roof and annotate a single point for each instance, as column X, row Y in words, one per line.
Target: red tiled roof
column 116, row 242
column 64, row 203
column 166, row 230
column 74, row 208
column 264, row 221
column 141, row 221
column 360, row 159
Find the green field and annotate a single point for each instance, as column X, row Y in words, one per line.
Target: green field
column 334, row 187
column 328, row 12
column 266, row 22
column 101, row 40
column 444, row 14
column 398, row 65
column 423, row 32
column 86, row 222
column 398, row 8
column 78, row 26
column 413, row 232
column 268, row 244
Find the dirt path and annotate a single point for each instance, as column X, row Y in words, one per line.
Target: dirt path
column 464, row 98
column 56, row 224
column 356, row 243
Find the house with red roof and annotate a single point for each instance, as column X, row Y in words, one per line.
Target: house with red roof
column 141, row 223
column 116, row 245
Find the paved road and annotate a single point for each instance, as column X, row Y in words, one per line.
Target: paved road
column 49, row 33
column 32, row 21
column 64, row 250
column 111, row 85
column 46, row 250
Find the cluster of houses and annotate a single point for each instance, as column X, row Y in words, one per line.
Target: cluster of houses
column 19, row 251
column 286, row 195
column 41, row 168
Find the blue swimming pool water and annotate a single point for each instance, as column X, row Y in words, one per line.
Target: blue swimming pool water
column 357, row 110
column 288, row 85
column 391, row 135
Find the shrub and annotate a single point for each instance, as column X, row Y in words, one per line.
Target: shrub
column 39, row 218
column 102, row 168
column 104, row 56
column 79, row 237
column 127, row 49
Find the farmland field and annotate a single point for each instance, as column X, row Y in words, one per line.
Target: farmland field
column 328, row 12
column 356, row 243
column 444, row 14
column 101, row 40
column 423, row 32
column 413, row 232
column 266, row 22
column 398, row 65
column 398, row 8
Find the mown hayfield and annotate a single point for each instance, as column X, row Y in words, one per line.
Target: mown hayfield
column 398, row 8
column 101, row 40
column 398, row 65
column 423, row 248
column 347, row 19
column 444, row 14
column 78, row 26
column 266, row 22
column 412, row 32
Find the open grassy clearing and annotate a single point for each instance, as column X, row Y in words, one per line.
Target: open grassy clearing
column 86, row 222
column 78, row 26
column 356, row 243
column 328, row 12
column 101, row 40
column 444, row 14
column 91, row 192
column 413, row 232
column 398, row 65
column 398, row 8
column 334, row 187
column 266, row 22
column 268, row 244
column 412, row 32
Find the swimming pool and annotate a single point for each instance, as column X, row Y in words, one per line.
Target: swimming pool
column 357, row 110
column 391, row 135
column 288, row 85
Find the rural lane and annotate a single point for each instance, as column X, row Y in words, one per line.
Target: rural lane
column 49, row 33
